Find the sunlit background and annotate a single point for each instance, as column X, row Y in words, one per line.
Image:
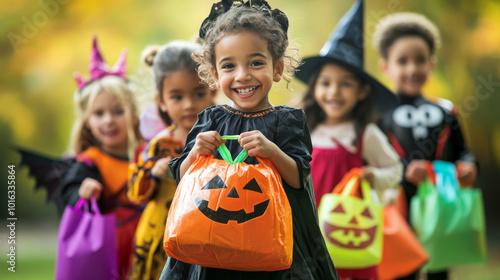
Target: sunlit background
column 43, row 42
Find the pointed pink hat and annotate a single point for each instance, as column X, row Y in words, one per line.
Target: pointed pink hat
column 98, row 68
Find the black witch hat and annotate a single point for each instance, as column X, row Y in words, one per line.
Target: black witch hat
column 345, row 48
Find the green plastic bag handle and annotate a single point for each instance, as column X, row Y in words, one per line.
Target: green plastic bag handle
column 231, row 137
column 425, row 187
column 226, row 155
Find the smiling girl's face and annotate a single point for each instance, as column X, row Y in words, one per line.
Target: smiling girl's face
column 245, row 71
column 184, row 97
column 337, row 91
column 108, row 124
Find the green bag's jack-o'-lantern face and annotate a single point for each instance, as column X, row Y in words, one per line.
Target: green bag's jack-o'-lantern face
column 229, row 198
column 358, row 235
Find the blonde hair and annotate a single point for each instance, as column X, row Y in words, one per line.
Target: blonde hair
column 395, row 26
column 81, row 136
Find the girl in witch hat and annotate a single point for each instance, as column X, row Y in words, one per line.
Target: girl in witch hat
column 105, row 137
column 339, row 105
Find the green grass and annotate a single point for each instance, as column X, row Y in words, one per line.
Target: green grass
column 488, row 271
column 30, row 268
column 36, row 245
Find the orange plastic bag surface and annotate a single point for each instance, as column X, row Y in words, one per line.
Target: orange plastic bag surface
column 232, row 216
column 402, row 253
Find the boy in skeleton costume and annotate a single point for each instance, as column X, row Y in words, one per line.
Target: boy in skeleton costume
column 420, row 129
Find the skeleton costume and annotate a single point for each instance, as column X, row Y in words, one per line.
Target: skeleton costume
column 420, row 128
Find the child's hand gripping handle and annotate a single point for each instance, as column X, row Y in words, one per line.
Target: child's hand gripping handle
column 226, row 155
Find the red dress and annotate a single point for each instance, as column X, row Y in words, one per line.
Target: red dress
column 328, row 167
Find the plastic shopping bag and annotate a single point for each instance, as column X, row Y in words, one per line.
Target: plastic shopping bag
column 449, row 221
column 351, row 223
column 402, row 252
column 232, row 215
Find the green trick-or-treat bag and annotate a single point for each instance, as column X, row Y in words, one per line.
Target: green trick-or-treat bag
column 448, row 220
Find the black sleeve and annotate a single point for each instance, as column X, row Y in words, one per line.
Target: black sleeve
column 457, row 140
column 204, row 123
column 68, row 190
column 293, row 139
column 384, row 123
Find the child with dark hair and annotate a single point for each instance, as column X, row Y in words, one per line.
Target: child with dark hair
column 420, row 129
column 244, row 50
column 339, row 104
column 180, row 97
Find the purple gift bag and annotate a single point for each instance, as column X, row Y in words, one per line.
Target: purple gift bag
column 86, row 244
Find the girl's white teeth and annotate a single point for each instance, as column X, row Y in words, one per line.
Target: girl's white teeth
column 334, row 102
column 246, row 90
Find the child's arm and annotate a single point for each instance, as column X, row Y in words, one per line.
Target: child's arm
column 256, row 144
column 384, row 166
column 205, row 123
column 143, row 178
column 467, row 172
column 465, row 160
column 90, row 187
column 416, row 171
column 144, row 175
column 206, row 144
column 160, row 169
column 81, row 172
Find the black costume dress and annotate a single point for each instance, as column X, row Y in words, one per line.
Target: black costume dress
column 286, row 127
column 419, row 128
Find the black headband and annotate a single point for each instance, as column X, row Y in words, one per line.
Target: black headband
column 223, row 6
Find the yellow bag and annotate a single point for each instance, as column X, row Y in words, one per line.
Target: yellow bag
column 351, row 223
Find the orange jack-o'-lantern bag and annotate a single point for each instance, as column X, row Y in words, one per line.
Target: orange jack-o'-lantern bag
column 351, row 223
column 231, row 215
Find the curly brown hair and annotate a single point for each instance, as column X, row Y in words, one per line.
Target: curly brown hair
column 239, row 19
column 395, row 26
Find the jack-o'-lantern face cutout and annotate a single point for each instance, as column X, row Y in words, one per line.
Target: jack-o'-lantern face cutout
column 361, row 228
column 222, row 203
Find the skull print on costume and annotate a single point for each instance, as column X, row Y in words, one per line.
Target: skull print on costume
column 419, row 119
column 422, row 128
